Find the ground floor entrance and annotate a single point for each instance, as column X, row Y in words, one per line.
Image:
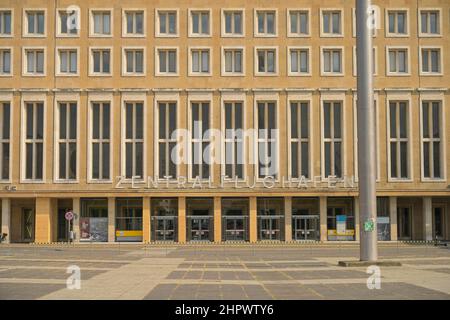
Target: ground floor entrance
column 235, row 219
column 270, row 218
column 200, row 222
column 164, row 219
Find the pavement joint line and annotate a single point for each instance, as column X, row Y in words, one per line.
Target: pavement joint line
column 53, row 268
column 273, row 282
column 331, row 268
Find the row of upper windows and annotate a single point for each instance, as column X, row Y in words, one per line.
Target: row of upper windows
column 167, row 24
column 299, row 135
column 299, row 61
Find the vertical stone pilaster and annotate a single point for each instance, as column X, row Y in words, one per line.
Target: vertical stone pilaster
column 111, row 219
column 393, row 217
column 427, row 212
column 217, row 219
column 288, row 218
column 146, row 219
column 182, row 219
column 43, row 220
column 253, row 220
column 357, row 218
column 76, row 209
column 323, row 218
column 6, row 219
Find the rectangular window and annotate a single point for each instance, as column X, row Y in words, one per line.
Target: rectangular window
column 332, row 139
column 298, row 23
column 299, row 139
column 101, row 61
column 67, row 141
column 374, row 61
column 266, row 23
column 35, row 23
column 5, row 22
column 134, row 23
column 68, row 25
column 432, row 150
column 397, row 23
column 267, row 139
column 134, row 140
column 430, row 22
column 431, row 60
column 134, row 61
column 167, row 61
column 200, row 23
column 233, row 23
column 68, row 61
column 100, row 140
column 332, row 61
column 167, row 140
column 5, row 62
column 266, row 61
column 399, row 139
column 34, row 140
column 299, row 61
column 200, row 61
column 34, row 61
column 398, row 61
column 233, row 59
column 167, row 25
column 5, row 139
column 331, row 22
column 234, row 140
column 200, row 140
column 101, row 23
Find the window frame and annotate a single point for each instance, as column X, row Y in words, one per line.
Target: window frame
column 25, row 61
column 408, row 64
column 355, row 62
column 8, row 100
column 191, row 33
column 255, row 66
column 58, row 72
column 158, row 72
column 200, row 100
column 125, row 34
column 223, row 11
column 157, row 22
column 419, row 22
column 166, row 99
column 125, row 73
column 298, row 74
column 224, row 73
column 288, row 23
column 332, row 99
column 430, row 98
column 324, row 34
column 34, row 99
column 407, row 26
column 91, row 72
column 91, row 101
column 92, row 34
column 233, row 99
column 441, row 61
column 375, row 31
column 256, row 33
column 25, row 33
column 322, row 61
column 410, row 164
column 68, row 100
column 299, row 99
column 133, row 99
column 11, row 67
column 11, row 35
column 191, row 73
column 58, row 24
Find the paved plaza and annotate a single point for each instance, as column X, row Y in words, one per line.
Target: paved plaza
column 247, row 272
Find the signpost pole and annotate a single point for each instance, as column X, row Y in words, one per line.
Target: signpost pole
column 366, row 132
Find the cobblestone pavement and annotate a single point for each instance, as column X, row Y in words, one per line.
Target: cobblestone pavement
column 247, row 272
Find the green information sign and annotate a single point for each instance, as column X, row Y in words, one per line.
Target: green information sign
column 369, row 226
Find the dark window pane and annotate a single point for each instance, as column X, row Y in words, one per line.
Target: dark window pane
column 129, row 120
column 139, row 121
column 162, row 159
column 436, row 122
column 294, row 159
column 73, row 121
column 337, row 159
column 105, row 162
column 72, row 160
column 337, row 120
column 425, row 120
column 95, row 161
column 327, row 120
column 393, row 119
column 95, row 121
column 426, row 159
column 394, row 173
column 6, row 120
column 106, row 120
column 305, row 159
column 404, row 159
column 62, row 161
column 327, row 159
column 62, row 120
column 437, row 159
column 40, row 121
column 172, row 118
column 304, row 120
column 129, row 160
column 139, row 159
column 5, row 161
column 172, row 164
column 294, row 120
column 39, row 161
column 30, row 122
column 29, row 161
column 162, row 121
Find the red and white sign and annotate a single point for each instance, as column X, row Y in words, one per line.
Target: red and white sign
column 69, row 215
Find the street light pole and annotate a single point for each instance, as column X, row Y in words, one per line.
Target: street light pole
column 366, row 132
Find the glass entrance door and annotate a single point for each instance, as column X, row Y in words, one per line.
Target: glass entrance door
column 200, row 228
column 438, row 223
column 270, row 228
column 305, row 227
column 404, row 223
column 63, row 225
column 27, row 225
column 165, row 228
column 235, row 227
